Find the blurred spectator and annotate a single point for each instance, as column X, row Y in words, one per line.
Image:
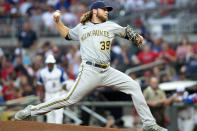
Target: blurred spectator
column 1, row 53
column 52, row 2
column 127, row 56
column 150, row 4
column 166, row 3
column 146, row 55
column 17, row 93
column 121, row 57
column 47, row 19
column 27, row 38
column 115, row 52
column 156, row 72
column 185, row 114
column 28, row 90
column 179, row 96
column 147, row 76
column 14, row 12
column 156, row 45
column 4, row 15
column 133, row 76
column 155, row 98
column 62, row 3
column 65, row 64
column 15, row 1
column 1, row 97
column 164, row 78
column 25, row 6
column 149, row 40
column 125, row 59
column 6, row 69
column 142, row 29
column 32, row 10
column 4, row 8
column 20, row 68
column 13, row 76
column 56, row 54
column 194, row 48
column 167, row 54
column 68, row 18
column 70, row 73
column 19, row 50
column 182, row 52
column 2, row 61
column 73, row 57
column 2, row 64
column 46, row 49
column 36, row 19
column 191, row 66
column 134, row 4
column 180, row 76
column 25, row 59
column 23, row 81
column 8, row 90
column 78, row 9
column 37, row 64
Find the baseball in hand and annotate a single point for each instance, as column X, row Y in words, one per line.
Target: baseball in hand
column 56, row 16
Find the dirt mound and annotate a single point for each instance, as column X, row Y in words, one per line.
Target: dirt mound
column 39, row 126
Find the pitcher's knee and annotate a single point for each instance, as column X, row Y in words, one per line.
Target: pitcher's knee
column 133, row 88
column 73, row 101
column 137, row 84
column 134, row 85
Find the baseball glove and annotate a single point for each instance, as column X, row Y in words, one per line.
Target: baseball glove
column 134, row 36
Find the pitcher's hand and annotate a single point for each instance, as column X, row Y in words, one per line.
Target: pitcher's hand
column 56, row 16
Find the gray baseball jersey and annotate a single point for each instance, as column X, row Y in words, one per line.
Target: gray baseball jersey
column 96, row 40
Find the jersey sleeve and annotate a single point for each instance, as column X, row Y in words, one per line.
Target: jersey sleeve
column 118, row 30
column 73, row 34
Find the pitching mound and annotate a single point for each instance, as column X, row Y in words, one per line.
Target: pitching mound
column 38, row 126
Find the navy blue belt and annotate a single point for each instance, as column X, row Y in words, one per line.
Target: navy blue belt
column 98, row 65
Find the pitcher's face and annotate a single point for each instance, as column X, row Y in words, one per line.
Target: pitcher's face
column 102, row 14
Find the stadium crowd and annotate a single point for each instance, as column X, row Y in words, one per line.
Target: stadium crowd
column 19, row 66
column 39, row 12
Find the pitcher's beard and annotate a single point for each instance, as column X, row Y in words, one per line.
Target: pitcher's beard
column 102, row 18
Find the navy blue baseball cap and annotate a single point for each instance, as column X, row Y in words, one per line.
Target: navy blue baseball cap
column 100, row 4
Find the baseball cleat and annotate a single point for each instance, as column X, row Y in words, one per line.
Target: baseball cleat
column 23, row 114
column 154, row 128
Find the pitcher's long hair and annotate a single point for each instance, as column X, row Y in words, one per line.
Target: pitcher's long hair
column 86, row 17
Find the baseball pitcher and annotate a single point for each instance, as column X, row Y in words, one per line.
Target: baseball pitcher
column 95, row 34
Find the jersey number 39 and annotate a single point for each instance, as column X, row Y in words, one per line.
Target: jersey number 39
column 105, row 45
